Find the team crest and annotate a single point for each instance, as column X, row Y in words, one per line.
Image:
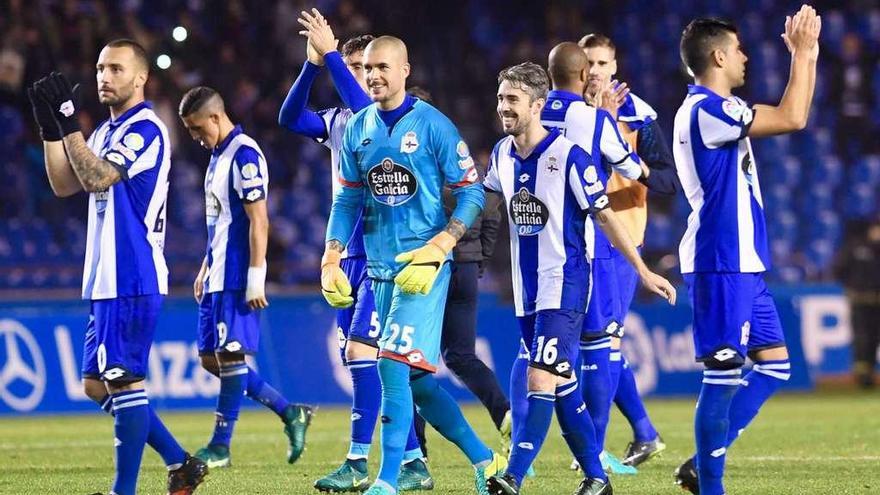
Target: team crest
column 133, row 141
column 528, row 213
column 551, row 165
column 391, row 183
column 409, row 143
column 556, row 105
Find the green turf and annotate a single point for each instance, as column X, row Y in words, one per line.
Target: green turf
column 801, row 444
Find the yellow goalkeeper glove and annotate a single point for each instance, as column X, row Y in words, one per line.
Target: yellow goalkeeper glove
column 424, row 264
column 334, row 284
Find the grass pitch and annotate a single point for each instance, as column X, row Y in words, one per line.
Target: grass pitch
column 800, row 444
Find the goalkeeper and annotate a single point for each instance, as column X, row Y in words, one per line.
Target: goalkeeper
column 397, row 155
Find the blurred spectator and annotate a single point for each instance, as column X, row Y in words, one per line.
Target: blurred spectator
column 853, row 98
column 857, row 267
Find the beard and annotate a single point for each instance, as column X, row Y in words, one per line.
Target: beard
column 119, row 96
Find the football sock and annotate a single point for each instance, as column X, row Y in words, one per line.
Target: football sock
column 711, row 425
column 366, row 401
column 616, row 359
column 596, row 383
column 397, row 415
column 527, row 443
column 630, row 404
column 233, row 382
column 159, row 438
column 763, row 381
column 262, row 392
column 519, row 390
column 413, row 447
column 577, row 429
column 442, row 412
column 131, row 412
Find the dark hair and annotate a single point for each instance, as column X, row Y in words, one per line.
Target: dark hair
column 356, row 44
column 139, row 53
column 529, row 77
column 195, row 99
column 594, row 40
column 699, row 39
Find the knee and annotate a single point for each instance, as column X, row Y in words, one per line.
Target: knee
column 209, row 364
column 94, row 389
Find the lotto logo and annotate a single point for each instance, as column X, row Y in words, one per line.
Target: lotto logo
column 725, row 354
column 563, row 367
column 526, row 445
column 113, row 374
column 415, row 357
column 233, row 346
column 718, row 452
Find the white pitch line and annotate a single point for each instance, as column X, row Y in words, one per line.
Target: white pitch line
column 782, row 458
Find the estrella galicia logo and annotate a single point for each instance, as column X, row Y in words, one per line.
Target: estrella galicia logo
column 528, row 213
column 391, row 183
column 23, row 371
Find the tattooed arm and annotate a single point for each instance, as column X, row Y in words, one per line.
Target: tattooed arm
column 94, row 173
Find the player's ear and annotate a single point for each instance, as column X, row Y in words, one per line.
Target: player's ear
column 406, row 68
column 141, row 78
column 718, row 57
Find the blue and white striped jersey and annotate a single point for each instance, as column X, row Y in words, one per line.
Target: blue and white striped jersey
column 595, row 131
column 726, row 230
column 237, row 174
column 636, row 112
column 549, row 195
column 126, row 232
column 335, row 119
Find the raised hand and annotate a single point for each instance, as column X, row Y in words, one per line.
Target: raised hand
column 318, row 31
column 802, row 32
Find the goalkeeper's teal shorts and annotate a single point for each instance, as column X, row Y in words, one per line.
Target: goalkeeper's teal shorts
column 412, row 323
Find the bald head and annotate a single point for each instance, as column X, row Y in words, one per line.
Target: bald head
column 567, row 64
column 391, row 45
column 386, row 64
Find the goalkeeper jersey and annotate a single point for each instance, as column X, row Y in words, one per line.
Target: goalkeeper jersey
column 400, row 173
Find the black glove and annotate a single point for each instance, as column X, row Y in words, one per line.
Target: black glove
column 62, row 99
column 43, row 114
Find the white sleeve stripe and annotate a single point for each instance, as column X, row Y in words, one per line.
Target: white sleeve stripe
column 574, row 184
column 714, row 131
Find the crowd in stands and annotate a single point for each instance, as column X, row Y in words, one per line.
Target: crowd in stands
column 815, row 182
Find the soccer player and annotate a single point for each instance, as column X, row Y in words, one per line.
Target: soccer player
column 724, row 250
column 551, row 185
column 397, row 154
column 358, row 325
column 124, row 167
column 637, row 122
column 595, row 130
column 230, row 286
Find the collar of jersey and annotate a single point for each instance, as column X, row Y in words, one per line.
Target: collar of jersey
column 228, row 139
column 131, row 111
column 696, row 89
column 562, row 94
column 539, row 149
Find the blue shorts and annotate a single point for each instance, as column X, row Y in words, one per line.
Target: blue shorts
column 551, row 336
column 734, row 315
column 118, row 338
column 360, row 321
column 412, row 323
column 603, row 308
column 227, row 324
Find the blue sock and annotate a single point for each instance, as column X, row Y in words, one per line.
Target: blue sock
column 577, row 429
column 616, row 359
column 442, row 412
column 131, row 410
column 711, row 426
column 765, row 379
column 262, row 392
column 164, row 443
column 596, row 383
column 519, row 391
column 397, row 416
column 159, row 438
column 527, row 443
column 630, row 404
column 413, row 447
column 233, row 382
column 365, row 403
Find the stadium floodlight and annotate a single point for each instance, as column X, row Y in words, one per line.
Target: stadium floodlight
column 179, row 34
column 163, row 61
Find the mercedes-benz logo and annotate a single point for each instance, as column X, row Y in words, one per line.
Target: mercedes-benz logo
column 18, row 368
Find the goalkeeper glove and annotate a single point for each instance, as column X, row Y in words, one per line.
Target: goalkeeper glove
column 334, row 284
column 424, row 264
column 56, row 91
column 43, row 114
